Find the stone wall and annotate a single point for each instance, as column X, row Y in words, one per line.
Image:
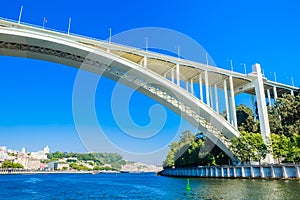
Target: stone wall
column 257, row 171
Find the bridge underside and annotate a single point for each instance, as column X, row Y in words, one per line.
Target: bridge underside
column 152, row 74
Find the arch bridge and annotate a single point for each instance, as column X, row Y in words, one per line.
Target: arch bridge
column 156, row 75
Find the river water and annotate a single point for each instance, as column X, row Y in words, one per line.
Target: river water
column 141, row 186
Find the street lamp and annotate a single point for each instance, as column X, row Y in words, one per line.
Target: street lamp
column 231, row 66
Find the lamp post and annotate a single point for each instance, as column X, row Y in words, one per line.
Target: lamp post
column 44, row 21
column 231, row 66
column 245, row 69
column 20, row 15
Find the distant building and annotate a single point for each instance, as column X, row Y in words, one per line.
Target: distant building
column 23, row 150
column 60, row 166
column 41, row 155
column 52, row 166
column 46, row 150
column 28, row 163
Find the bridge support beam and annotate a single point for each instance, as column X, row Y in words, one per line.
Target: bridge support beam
column 200, row 87
column 172, row 75
column 234, row 120
column 275, row 92
column 145, row 62
column 226, row 100
column 178, row 74
column 211, row 98
column 269, row 98
column 192, row 86
column 262, row 108
column 206, row 88
column 216, row 99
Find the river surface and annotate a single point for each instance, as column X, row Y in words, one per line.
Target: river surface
column 141, row 186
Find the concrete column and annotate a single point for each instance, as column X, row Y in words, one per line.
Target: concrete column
column 262, row 108
column 253, row 107
column 165, row 75
column 252, row 171
column 172, row 75
column 275, row 92
column 243, row 171
column 216, row 99
column 269, row 98
column 272, row 172
column 234, row 172
column 222, row 172
column 200, row 87
column 192, row 86
column 206, row 87
column 292, row 92
column 145, row 62
column 284, row 174
column 178, row 75
column 211, row 98
column 232, row 102
column 262, row 174
column 228, row 172
column 226, row 100
column 216, row 172
column 297, row 171
column 187, row 85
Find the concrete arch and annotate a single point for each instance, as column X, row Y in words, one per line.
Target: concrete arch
column 29, row 42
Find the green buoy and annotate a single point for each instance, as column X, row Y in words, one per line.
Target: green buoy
column 188, row 187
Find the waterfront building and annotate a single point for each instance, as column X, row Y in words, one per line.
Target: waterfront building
column 28, row 163
column 52, row 166
column 61, row 166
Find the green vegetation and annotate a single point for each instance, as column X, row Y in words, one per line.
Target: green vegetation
column 97, row 160
column 194, row 150
column 249, row 147
column 284, row 143
column 9, row 164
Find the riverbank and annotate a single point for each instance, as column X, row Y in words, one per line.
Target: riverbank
column 250, row 172
column 19, row 171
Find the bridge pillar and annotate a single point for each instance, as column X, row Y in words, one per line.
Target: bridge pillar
column 206, row 87
column 192, row 86
column 253, row 107
column 275, row 92
column 211, row 98
column 172, row 75
column 262, row 108
column 145, row 62
column 292, row 92
column 178, row 74
column 269, row 98
column 232, row 102
column 216, row 98
column 200, row 87
column 226, row 100
column 187, row 86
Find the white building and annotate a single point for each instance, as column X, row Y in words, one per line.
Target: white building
column 40, row 155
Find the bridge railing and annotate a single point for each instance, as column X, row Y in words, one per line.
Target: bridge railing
column 97, row 39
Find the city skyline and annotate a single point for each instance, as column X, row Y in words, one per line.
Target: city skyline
column 37, row 99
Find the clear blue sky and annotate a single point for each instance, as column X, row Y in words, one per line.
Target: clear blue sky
column 36, row 96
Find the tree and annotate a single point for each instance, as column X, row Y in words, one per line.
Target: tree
column 9, row 164
column 245, row 119
column 249, row 147
column 284, row 116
